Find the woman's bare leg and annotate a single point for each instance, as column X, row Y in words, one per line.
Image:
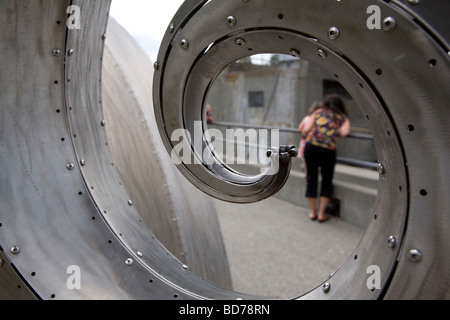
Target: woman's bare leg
column 312, row 205
column 322, row 208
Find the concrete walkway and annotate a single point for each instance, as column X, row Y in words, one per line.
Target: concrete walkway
column 274, row 250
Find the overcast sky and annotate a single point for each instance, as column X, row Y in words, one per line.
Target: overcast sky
column 146, row 20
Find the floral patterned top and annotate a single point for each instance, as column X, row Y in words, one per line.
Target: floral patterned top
column 326, row 129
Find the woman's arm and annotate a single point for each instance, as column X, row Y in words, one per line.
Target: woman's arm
column 345, row 128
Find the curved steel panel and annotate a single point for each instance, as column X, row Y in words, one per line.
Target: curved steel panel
column 188, row 229
column 382, row 69
column 75, row 210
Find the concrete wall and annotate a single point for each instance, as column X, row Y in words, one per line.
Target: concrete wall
column 290, row 88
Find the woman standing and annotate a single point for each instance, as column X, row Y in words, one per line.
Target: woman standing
column 322, row 131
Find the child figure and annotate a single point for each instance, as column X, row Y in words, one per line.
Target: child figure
column 301, row 149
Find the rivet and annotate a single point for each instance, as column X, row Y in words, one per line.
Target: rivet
column 70, row 166
column 129, row 262
column 295, row 53
column 321, row 53
column 326, row 287
column 56, row 52
column 381, row 169
column 333, row 33
column 103, row 123
column 184, row 44
column 104, row 36
column 389, row 24
column 71, row 52
column 413, row 1
column 130, row 203
column 83, row 162
column 185, row 267
column 1, row 263
column 156, row 65
column 15, row 250
column 415, row 255
column 139, row 254
column 392, row 242
column 240, row 42
column 231, row 21
column 171, row 27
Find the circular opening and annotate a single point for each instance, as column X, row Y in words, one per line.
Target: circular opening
column 378, row 120
column 257, row 102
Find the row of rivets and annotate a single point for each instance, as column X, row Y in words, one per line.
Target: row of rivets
column 57, row 52
column 333, row 32
column 70, row 166
column 414, row 255
column 388, row 24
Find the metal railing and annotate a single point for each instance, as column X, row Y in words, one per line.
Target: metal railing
column 347, row 161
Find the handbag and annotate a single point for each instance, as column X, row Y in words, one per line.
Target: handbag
column 334, row 207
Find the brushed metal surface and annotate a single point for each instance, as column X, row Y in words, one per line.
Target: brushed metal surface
column 162, row 197
column 62, row 201
column 177, row 106
column 397, row 75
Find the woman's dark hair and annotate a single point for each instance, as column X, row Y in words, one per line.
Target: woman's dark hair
column 336, row 103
